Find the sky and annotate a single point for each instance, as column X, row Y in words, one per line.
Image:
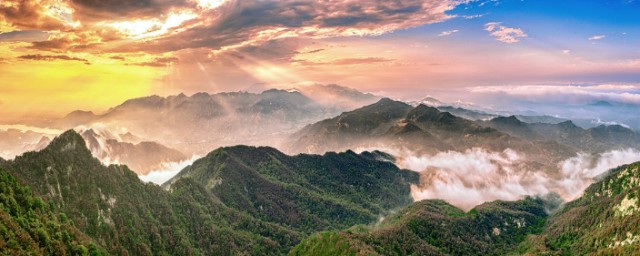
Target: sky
column 61, row 55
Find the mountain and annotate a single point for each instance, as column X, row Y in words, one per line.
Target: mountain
column 350, row 129
column 236, row 201
column 541, row 119
column 307, row 192
column 337, row 97
column 434, row 227
column 428, row 130
column 197, row 124
column 466, row 113
column 126, row 216
column 423, row 129
column 601, row 103
column 76, row 118
column 431, row 102
column 597, row 139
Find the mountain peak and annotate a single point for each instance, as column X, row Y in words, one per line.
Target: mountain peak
column 510, row 120
column 200, row 95
column 424, row 113
column 568, row 124
column 389, row 102
column 80, row 113
column 69, row 141
column 601, row 103
column 431, row 101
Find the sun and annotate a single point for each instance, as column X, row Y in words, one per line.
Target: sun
column 139, row 29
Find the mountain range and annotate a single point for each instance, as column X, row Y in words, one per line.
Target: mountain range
column 309, row 192
column 150, row 132
column 259, row 201
column 254, row 119
column 238, row 200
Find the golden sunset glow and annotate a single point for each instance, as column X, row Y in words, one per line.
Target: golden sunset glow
column 61, row 50
column 55, row 88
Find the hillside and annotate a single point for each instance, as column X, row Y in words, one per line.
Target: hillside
column 306, row 192
column 30, row 225
column 434, row 227
column 604, row 221
column 126, row 216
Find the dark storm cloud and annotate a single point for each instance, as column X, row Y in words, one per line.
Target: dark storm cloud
column 100, row 10
column 51, row 58
column 23, row 36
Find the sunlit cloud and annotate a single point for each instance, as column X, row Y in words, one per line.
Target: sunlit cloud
column 138, row 29
column 448, row 33
column 597, row 37
column 504, row 34
column 210, row 4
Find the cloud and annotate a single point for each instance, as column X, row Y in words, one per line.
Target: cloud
column 31, row 14
column 448, row 33
column 566, row 52
column 597, row 37
column 470, row 17
column 158, row 62
column 504, row 34
column 312, row 51
column 572, row 94
column 23, row 36
column 580, row 171
column 466, row 179
column 495, row 2
column 92, row 10
column 168, row 171
column 347, row 61
column 225, row 26
column 52, row 58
